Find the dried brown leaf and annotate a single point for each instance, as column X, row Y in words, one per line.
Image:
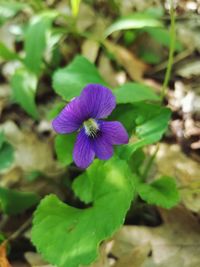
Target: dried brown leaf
column 86, row 17
column 31, row 153
column 175, row 243
column 189, row 69
column 135, row 258
column 134, row 66
column 171, row 161
column 109, row 74
column 3, row 256
column 35, row 260
column 90, row 49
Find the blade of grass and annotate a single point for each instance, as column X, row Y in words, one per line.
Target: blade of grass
column 171, row 51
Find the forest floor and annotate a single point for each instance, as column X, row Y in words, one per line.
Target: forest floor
column 151, row 236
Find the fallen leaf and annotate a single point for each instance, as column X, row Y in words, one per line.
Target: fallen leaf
column 3, row 256
column 86, row 17
column 188, row 33
column 171, row 161
column 35, row 260
column 138, row 5
column 90, row 49
column 109, row 74
column 31, row 153
column 135, row 258
column 175, row 243
column 189, row 69
column 134, row 66
column 6, row 36
column 11, row 177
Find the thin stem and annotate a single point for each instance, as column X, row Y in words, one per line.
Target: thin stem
column 20, row 230
column 177, row 58
column 171, row 50
column 149, row 163
column 166, row 80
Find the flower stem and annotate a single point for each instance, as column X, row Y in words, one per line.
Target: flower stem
column 150, row 163
column 171, row 50
column 166, row 80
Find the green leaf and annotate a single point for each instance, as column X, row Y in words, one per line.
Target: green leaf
column 77, row 233
column 14, row 202
column 129, row 37
column 2, row 139
column 9, row 9
column 7, row 54
column 134, row 21
column 55, row 110
column 35, row 47
column 151, row 122
column 149, row 56
column 162, row 192
column 136, row 161
column 124, row 113
column 75, row 7
column 6, row 155
column 69, row 81
column 64, row 145
column 2, row 238
column 162, row 36
column 24, row 85
column 33, row 175
column 134, row 92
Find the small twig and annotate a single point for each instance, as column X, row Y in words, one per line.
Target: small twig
column 20, row 230
column 177, row 58
column 183, row 17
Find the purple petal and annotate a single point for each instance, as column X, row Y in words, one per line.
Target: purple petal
column 114, row 132
column 83, row 154
column 98, row 100
column 102, row 148
column 70, row 118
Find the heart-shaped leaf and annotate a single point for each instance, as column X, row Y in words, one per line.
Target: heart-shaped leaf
column 134, row 92
column 73, row 235
column 14, row 202
column 149, row 122
column 162, row 192
column 69, row 81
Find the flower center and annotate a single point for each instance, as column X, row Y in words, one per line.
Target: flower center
column 91, row 127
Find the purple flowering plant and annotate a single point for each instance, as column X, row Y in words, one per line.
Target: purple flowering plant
column 84, row 114
column 110, row 182
column 67, row 232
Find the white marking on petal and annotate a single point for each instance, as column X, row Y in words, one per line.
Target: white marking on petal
column 91, row 127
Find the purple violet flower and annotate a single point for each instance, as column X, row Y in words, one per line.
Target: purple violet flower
column 95, row 136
